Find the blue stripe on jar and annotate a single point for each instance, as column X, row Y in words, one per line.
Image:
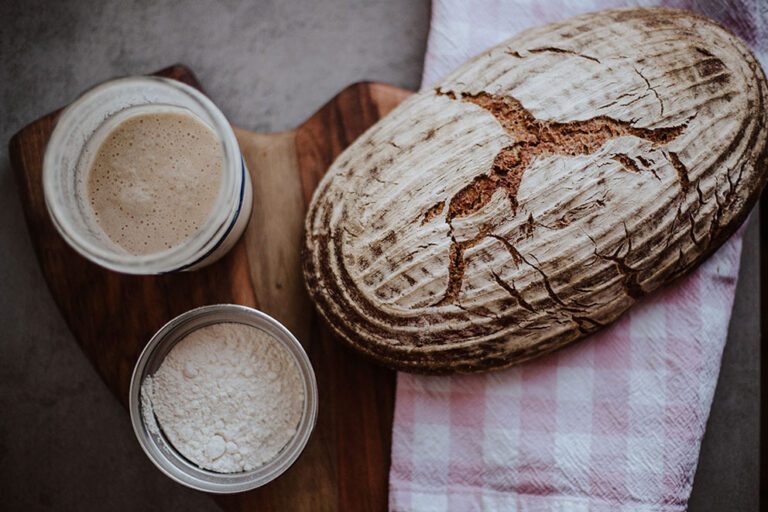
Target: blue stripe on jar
column 229, row 228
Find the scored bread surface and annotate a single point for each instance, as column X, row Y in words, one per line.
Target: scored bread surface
column 540, row 190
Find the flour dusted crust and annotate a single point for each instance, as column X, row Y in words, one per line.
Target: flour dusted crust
column 539, row 191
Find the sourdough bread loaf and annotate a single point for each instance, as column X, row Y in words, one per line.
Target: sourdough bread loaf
column 539, row 191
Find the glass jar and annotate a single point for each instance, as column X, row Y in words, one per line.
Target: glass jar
column 75, row 140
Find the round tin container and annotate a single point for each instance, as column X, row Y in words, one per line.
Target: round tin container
column 160, row 450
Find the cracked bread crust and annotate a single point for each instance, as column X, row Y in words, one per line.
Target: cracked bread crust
column 539, row 191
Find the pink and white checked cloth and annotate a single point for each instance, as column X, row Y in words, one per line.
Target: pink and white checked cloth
column 612, row 424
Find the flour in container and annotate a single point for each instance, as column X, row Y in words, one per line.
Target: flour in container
column 228, row 397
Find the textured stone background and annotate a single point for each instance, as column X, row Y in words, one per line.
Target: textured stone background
column 65, row 442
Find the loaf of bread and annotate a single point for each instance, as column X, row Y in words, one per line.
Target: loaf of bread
column 539, row 191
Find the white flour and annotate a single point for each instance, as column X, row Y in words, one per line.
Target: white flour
column 228, row 396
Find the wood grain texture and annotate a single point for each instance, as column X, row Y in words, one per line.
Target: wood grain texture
column 539, row 191
column 345, row 465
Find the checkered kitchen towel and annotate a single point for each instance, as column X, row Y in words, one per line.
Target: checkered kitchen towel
column 613, row 424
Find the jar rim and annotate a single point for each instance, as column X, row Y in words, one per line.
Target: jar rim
column 192, row 249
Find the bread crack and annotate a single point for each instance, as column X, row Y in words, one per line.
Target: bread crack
column 518, row 258
column 562, row 50
column 433, row 212
column 513, row 292
column 629, row 275
column 534, row 138
column 652, row 90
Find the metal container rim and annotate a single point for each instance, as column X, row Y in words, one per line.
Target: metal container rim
column 162, row 453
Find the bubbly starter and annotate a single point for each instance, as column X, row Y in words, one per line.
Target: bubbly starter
column 154, row 180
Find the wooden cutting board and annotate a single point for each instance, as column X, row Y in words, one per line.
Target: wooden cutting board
column 346, row 463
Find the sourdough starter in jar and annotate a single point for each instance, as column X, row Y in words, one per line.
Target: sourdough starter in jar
column 155, row 179
column 144, row 175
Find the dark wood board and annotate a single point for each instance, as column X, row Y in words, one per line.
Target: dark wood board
column 112, row 316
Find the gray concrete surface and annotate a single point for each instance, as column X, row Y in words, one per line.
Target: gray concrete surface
column 65, row 442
